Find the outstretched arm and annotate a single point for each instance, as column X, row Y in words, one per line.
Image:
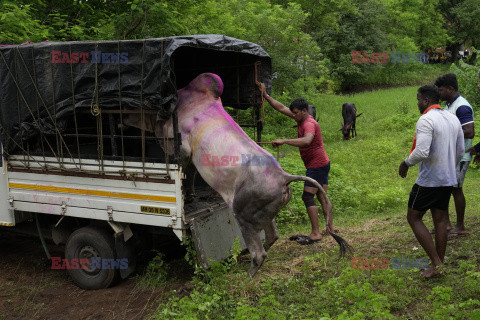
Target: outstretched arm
column 302, row 142
column 274, row 103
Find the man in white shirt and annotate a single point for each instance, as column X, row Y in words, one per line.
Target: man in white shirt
column 438, row 147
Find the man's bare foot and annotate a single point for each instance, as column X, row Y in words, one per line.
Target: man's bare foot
column 431, row 272
column 457, row 233
column 459, row 230
column 315, row 236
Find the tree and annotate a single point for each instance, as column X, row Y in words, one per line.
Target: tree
column 360, row 28
column 461, row 22
column 18, row 24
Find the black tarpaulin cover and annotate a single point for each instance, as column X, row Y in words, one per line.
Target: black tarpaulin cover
column 42, row 83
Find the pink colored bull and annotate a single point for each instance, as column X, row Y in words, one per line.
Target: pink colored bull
column 255, row 193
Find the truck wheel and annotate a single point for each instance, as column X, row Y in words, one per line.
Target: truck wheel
column 88, row 243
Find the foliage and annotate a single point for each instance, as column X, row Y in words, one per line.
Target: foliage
column 138, row 19
column 461, row 20
column 18, row 24
column 156, row 274
column 415, row 25
column 356, row 30
column 468, row 77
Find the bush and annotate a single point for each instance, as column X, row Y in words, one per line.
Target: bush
column 468, row 79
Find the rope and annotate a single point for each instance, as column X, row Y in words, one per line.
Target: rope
column 96, row 111
column 142, row 115
column 120, row 105
column 74, row 109
column 95, row 108
column 36, row 99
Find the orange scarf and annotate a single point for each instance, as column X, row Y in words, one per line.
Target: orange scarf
column 433, row 106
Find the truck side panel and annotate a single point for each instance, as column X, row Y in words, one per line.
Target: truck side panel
column 111, row 197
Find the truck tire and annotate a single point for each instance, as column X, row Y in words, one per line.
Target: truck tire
column 88, row 243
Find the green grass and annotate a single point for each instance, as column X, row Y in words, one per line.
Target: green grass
column 370, row 204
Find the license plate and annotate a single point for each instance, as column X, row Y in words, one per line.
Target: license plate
column 155, row 210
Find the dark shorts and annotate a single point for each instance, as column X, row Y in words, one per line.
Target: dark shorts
column 424, row 198
column 318, row 174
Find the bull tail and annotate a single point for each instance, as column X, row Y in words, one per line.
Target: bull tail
column 344, row 246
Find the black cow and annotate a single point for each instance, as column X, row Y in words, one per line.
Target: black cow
column 349, row 114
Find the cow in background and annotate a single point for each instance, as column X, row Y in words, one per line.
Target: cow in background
column 349, row 114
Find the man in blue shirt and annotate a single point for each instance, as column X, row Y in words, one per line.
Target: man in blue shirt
column 460, row 107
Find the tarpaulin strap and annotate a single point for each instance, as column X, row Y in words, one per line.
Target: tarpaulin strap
column 74, row 109
column 36, row 99
column 95, row 108
column 58, row 135
column 165, row 147
column 96, row 111
column 18, row 103
column 142, row 113
column 120, row 106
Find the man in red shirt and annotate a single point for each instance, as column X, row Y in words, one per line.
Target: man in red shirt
column 312, row 151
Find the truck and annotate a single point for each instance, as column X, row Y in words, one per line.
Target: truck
column 74, row 172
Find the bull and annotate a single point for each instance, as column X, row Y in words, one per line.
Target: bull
column 247, row 177
column 349, row 114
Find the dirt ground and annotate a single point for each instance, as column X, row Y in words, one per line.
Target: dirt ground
column 30, row 289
